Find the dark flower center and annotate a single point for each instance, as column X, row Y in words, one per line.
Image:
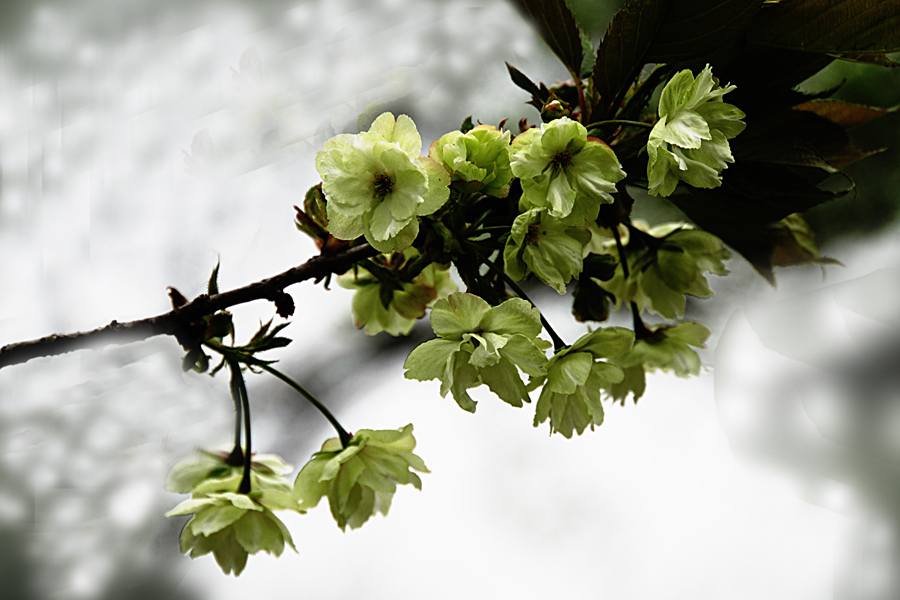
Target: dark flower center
column 562, row 160
column 384, row 185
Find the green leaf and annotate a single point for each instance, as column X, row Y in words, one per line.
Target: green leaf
column 556, row 25
column 751, row 198
column 832, row 26
column 621, row 53
column 212, row 288
column 794, row 243
column 696, row 27
column 430, row 360
column 538, row 95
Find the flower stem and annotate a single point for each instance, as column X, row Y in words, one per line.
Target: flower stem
column 236, row 457
column 238, row 377
column 640, row 330
column 558, row 343
column 343, row 435
column 622, row 122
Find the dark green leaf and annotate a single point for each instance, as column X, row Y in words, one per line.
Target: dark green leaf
column 798, row 137
column 794, row 243
column 590, row 302
column 693, row 28
column 556, row 25
column 754, row 196
column 212, row 288
column 621, row 53
column 467, row 124
column 833, row 26
column 520, row 79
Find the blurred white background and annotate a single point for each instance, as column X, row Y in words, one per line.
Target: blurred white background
column 140, row 141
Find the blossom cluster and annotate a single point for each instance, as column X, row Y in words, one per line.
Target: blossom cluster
column 359, row 480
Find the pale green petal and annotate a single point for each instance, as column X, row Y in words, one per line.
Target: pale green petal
column 343, row 226
column 512, row 316
column 686, row 129
column 459, row 313
column 503, row 379
column 398, row 243
column 438, row 190
column 566, row 373
column 560, row 195
column 430, row 360
column 606, row 342
column 215, row 518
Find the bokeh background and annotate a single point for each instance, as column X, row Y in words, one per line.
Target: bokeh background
column 142, row 141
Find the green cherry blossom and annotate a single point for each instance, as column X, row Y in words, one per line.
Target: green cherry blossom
column 480, row 344
column 232, row 526
column 478, row 161
column 361, row 479
column 376, row 184
column 564, row 171
column 668, row 348
column 570, row 398
column 395, row 306
column 545, row 246
column 671, row 261
column 690, row 141
column 208, row 472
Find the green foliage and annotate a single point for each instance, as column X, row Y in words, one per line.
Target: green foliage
column 824, row 26
column 361, row 478
column 557, row 26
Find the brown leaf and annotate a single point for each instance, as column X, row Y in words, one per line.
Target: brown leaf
column 832, row 26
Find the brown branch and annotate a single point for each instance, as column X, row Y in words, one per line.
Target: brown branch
column 173, row 322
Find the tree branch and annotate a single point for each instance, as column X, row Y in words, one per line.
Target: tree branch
column 175, row 321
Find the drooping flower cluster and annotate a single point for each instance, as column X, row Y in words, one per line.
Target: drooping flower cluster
column 665, row 263
column 576, row 376
column 668, row 348
column 480, row 344
column 545, row 246
column 228, row 524
column 690, row 141
column 376, row 184
column 384, row 302
column 361, row 479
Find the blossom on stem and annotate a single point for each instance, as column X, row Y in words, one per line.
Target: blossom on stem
column 547, row 247
column 208, row 472
column 376, row 184
column 232, row 526
column 480, row 344
column 690, row 141
column 570, row 398
column 361, row 479
column 564, row 171
column 478, row 160
column 394, row 306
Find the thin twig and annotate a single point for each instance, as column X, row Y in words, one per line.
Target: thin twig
column 175, row 321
